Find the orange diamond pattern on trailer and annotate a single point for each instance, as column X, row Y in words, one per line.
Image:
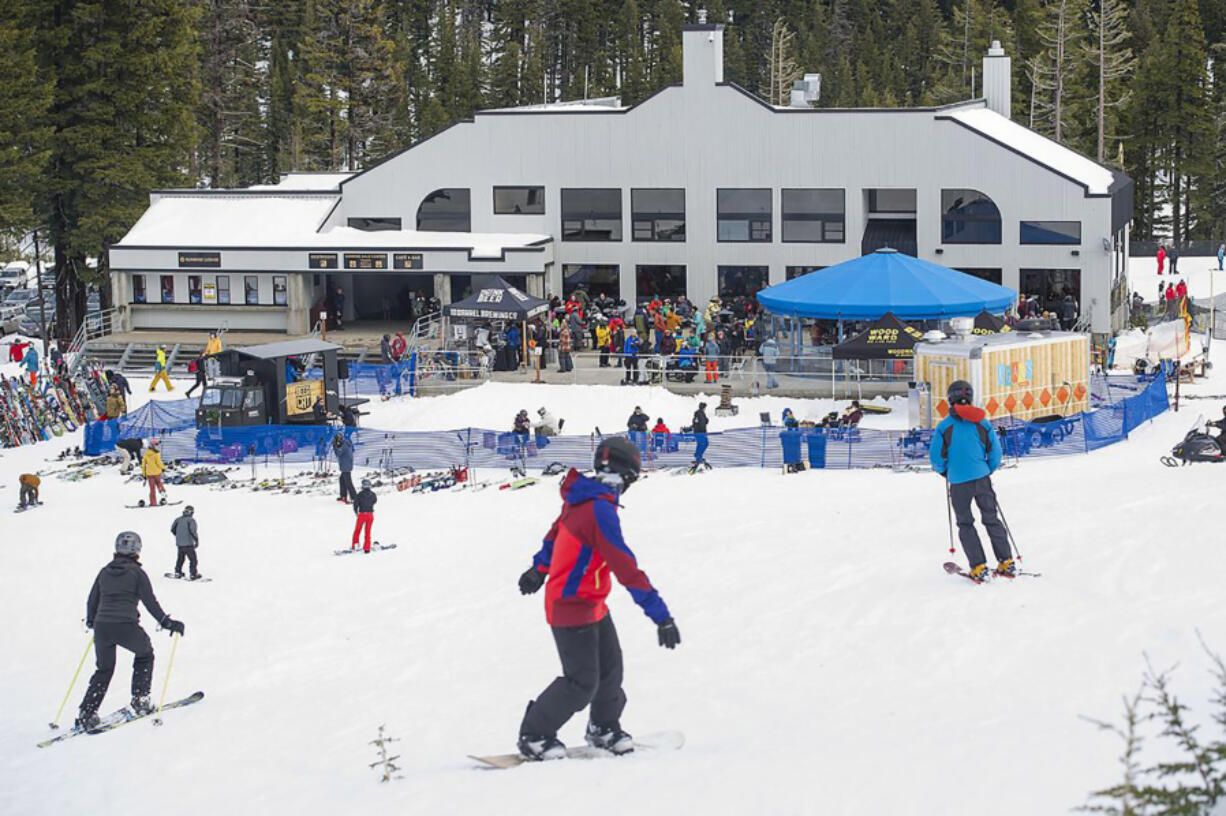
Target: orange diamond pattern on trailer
column 992, row 406
column 1028, row 399
column 1045, row 397
column 1062, row 394
column 1010, row 403
column 1080, row 391
column 943, row 408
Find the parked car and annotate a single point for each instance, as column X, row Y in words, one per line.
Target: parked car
column 10, row 317
column 31, row 328
column 14, row 275
column 20, row 297
column 31, row 309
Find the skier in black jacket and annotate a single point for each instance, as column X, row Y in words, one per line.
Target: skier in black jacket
column 637, row 421
column 111, row 613
column 699, row 422
column 364, row 509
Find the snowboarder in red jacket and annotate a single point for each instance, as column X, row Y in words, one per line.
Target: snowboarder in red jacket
column 582, row 548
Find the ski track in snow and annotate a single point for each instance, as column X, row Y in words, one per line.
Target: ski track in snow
column 828, row 665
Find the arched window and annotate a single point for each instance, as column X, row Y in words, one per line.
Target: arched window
column 969, row 217
column 446, row 210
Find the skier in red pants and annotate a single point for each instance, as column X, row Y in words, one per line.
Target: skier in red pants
column 364, row 507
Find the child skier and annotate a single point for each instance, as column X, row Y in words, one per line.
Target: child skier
column 111, row 613
column 582, row 547
column 151, row 468
column 966, row 451
column 364, row 508
column 29, row 490
column 186, row 540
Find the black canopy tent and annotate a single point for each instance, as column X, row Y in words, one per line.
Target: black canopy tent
column 886, row 339
column 988, row 323
column 495, row 299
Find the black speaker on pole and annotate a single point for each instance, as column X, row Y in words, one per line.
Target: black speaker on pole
column 342, row 369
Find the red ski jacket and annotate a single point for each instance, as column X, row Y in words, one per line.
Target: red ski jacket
column 582, row 548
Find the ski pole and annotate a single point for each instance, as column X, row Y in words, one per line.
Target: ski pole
column 1008, row 529
column 56, row 722
column 949, row 514
column 157, row 720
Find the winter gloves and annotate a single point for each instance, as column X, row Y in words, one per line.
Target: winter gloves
column 669, row 636
column 531, row 580
column 173, row 626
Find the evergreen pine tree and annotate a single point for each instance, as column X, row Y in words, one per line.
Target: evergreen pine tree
column 25, row 134
column 1112, row 64
column 1187, row 121
column 1054, row 71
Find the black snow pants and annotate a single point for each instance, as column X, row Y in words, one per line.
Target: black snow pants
column 591, row 675
column 188, row 553
column 106, row 637
column 980, row 490
column 347, row 491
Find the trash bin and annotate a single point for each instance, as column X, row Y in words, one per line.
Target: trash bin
column 817, row 448
column 790, row 440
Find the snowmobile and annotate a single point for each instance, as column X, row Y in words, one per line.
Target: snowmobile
column 1198, row 446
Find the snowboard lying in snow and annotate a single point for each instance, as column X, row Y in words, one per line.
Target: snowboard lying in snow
column 659, row 741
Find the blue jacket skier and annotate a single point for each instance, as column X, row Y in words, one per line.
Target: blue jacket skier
column 966, row 450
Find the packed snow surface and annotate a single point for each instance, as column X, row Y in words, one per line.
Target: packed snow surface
column 828, row 665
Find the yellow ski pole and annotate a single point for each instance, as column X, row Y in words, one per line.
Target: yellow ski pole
column 157, row 718
column 56, row 722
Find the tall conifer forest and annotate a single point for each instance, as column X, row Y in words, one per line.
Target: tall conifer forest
column 104, row 100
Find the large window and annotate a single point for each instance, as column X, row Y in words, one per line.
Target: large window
column 138, row 288
column 814, row 216
column 596, row 279
column 1051, row 232
column 891, row 201
column 1052, row 286
column 592, row 214
column 519, row 201
column 742, row 281
column 223, row 289
column 461, row 286
column 983, row 273
column 796, row 271
column 194, row 290
column 969, row 217
column 375, row 224
column 655, row 280
column 743, row 215
column 279, row 290
column 446, row 210
column 657, row 214
column 168, row 288
column 251, row 290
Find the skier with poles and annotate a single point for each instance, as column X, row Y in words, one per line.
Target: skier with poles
column 187, row 538
column 111, row 612
column 966, row 450
column 582, row 547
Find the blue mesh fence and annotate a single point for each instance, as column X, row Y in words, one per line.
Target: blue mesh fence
column 1137, row 400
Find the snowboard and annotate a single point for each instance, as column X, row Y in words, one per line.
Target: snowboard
column 22, row 508
column 121, row 717
column 955, row 569
column 519, row 484
column 162, row 503
column 660, row 741
column 374, row 547
column 200, row 580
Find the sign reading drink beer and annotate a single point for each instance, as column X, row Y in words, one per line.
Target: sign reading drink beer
column 366, row 260
column 406, row 260
column 199, row 260
column 322, row 260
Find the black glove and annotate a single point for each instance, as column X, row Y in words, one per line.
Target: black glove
column 669, row 636
column 173, row 626
column 531, row 580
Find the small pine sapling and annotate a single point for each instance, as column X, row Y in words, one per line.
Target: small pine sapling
column 386, row 764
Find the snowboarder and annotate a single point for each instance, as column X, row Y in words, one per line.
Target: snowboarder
column 699, row 425
column 343, row 449
column 582, row 547
column 161, row 371
column 29, row 490
column 111, row 613
column 133, row 447
column 151, row 468
column 187, row 539
column 966, row 451
column 364, row 509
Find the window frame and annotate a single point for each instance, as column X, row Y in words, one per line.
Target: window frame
column 755, row 225
column 247, row 292
column 949, row 222
column 722, row 270
column 501, row 187
column 822, row 218
column 1021, row 233
column 162, row 288
column 600, row 269
column 375, row 223
column 468, row 210
column 640, row 270
column 653, row 218
column 139, row 290
column 220, row 289
column 582, row 234
column 280, row 297
column 195, row 289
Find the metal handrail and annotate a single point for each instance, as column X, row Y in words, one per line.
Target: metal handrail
column 95, row 325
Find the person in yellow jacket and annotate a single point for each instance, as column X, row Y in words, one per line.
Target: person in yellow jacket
column 212, row 367
column 151, row 468
column 213, row 346
column 602, row 343
column 159, row 367
column 115, row 406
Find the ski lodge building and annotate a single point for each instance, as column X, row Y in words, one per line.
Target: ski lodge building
column 700, row 189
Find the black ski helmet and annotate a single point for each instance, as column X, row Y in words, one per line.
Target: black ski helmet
column 960, row 393
column 189, row 510
column 619, row 455
column 127, row 543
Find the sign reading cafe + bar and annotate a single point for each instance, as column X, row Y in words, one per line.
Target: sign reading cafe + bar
column 322, row 260
column 366, row 260
column 406, row 260
column 199, row 260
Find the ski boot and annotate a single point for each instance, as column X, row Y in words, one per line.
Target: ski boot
column 1006, row 569
column 141, row 705
column 86, row 720
column 979, row 574
column 538, row 748
column 609, row 737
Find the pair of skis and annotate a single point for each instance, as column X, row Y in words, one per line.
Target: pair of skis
column 121, row 718
column 956, row 569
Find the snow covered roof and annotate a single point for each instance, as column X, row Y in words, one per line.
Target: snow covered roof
column 1095, row 177
column 306, row 181
column 220, row 220
column 602, row 104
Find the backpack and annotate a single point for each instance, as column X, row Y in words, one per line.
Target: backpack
column 948, row 434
